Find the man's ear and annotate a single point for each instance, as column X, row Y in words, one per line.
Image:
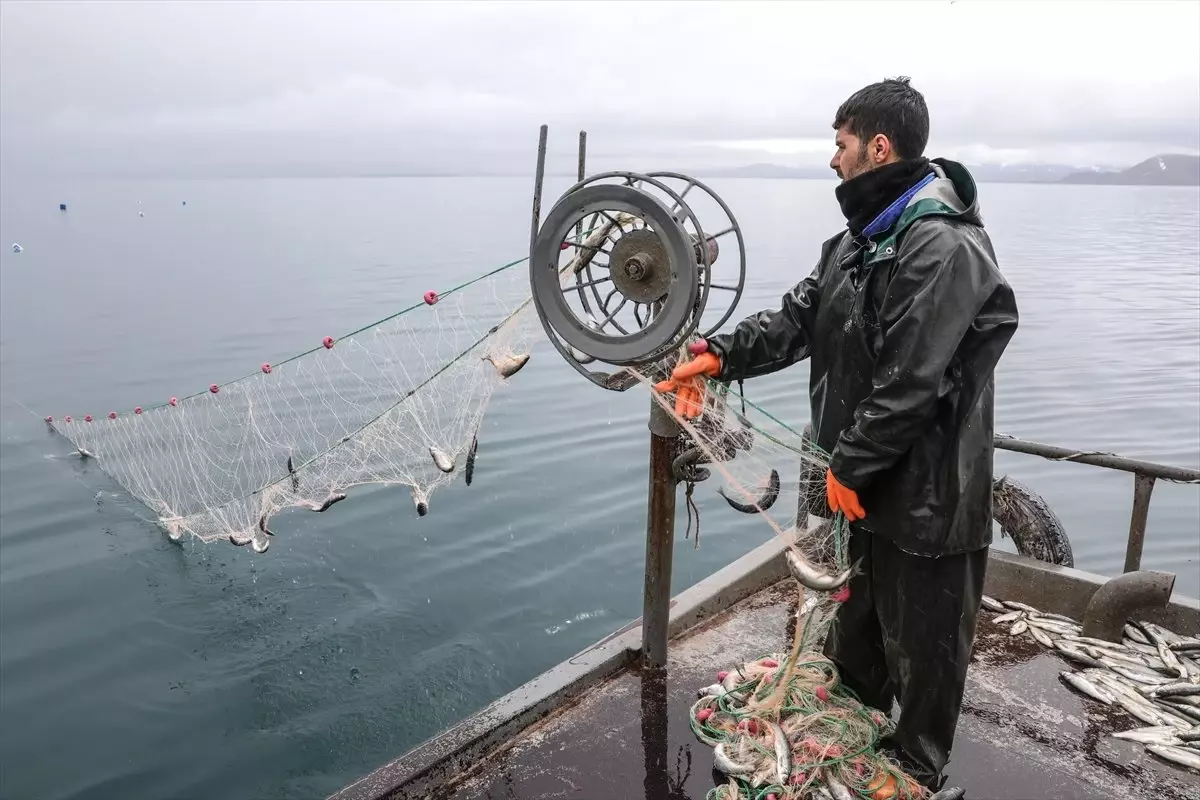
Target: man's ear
column 880, row 149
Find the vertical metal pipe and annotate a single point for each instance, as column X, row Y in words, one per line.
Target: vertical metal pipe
column 580, row 172
column 660, row 537
column 537, row 189
column 1143, row 485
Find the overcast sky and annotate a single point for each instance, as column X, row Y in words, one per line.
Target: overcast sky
column 226, row 86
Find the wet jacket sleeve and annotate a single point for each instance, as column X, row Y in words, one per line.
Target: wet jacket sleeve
column 945, row 299
column 770, row 340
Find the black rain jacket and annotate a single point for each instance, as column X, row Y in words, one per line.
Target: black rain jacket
column 904, row 327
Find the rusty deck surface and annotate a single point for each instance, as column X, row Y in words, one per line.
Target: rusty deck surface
column 1022, row 734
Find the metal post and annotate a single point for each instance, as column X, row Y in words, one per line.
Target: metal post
column 580, row 173
column 1143, row 485
column 537, row 188
column 660, row 536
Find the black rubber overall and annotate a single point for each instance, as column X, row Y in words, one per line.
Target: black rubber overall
column 905, row 634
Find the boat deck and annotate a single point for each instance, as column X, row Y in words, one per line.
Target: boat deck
column 1022, row 735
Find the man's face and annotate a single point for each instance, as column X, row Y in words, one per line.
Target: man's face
column 850, row 158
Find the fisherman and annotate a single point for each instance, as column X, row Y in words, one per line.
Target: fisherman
column 903, row 320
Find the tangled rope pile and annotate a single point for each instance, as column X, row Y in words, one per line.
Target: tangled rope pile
column 783, row 727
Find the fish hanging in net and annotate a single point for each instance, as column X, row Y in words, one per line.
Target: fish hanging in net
column 396, row 403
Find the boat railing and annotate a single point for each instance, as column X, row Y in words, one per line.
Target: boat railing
column 1145, row 474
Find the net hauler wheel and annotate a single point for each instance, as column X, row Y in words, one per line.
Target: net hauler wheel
column 622, row 270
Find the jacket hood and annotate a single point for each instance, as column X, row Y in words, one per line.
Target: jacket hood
column 952, row 193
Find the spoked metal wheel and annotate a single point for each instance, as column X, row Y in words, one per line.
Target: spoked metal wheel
column 622, row 269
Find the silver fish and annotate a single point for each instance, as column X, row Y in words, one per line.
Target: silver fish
column 1185, row 647
column 1180, row 709
column 1178, row 755
column 507, row 367
column 469, row 469
column 1054, row 626
column 837, row 788
column 1018, row 627
column 783, row 754
column 1156, row 734
column 1085, row 686
column 710, row 691
column 1040, row 635
column 1076, row 656
column 1056, row 618
column 1190, row 736
column 1146, row 678
column 259, row 545
column 444, row 462
column 992, row 604
column 1159, row 632
column 1136, row 634
column 1171, row 660
column 1140, row 710
column 1013, row 604
column 723, row 762
column 1009, row 617
column 812, row 578
column 953, row 793
column 1174, row 690
column 1088, row 640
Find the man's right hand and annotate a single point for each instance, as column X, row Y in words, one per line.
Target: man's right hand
column 687, row 381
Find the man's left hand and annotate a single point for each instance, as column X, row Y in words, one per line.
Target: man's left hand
column 842, row 498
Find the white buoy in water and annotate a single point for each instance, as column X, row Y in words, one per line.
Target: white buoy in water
column 17, row 248
column 141, row 213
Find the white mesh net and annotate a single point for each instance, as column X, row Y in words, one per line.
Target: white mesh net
column 397, row 403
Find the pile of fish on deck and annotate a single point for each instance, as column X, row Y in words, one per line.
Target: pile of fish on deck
column 1153, row 674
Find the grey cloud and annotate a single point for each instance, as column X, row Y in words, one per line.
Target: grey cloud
column 195, row 87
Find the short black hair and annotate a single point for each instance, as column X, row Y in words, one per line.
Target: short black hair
column 890, row 107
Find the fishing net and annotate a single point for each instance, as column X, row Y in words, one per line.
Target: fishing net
column 397, row 402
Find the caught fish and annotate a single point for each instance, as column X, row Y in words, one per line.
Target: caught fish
column 262, row 525
column 84, row 452
column 1136, row 634
column 1190, row 736
column 768, row 498
column 1018, row 627
column 712, row 690
column 1082, row 684
column 240, row 538
column 953, row 793
column 812, row 578
column 295, row 477
column 469, row 468
column 421, row 501
column 1056, row 618
column 1077, row 656
column 1009, row 617
column 837, row 788
column 1156, row 734
column 444, row 462
column 1185, row 647
column 1040, row 635
column 1174, row 690
column 507, row 367
column 725, row 764
column 783, row 754
column 1177, row 755
column 992, row 604
column 1147, row 679
column 260, row 545
column 1171, row 660
column 1013, row 604
column 329, row 501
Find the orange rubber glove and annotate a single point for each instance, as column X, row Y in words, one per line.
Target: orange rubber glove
column 688, row 384
column 842, row 498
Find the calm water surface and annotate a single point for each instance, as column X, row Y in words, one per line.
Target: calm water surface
column 133, row 668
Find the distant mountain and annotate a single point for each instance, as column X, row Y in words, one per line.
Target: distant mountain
column 1164, row 170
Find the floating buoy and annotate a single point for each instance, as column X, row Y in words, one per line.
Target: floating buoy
column 431, row 297
column 328, row 342
column 67, row 418
column 112, row 415
column 564, row 245
column 17, row 248
column 185, row 202
column 49, row 419
column 141, row 213
column 266, row 368
column 172, row 402
column 137, row 410
column 214, row 388
column 62, row 206
column 87, row 418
